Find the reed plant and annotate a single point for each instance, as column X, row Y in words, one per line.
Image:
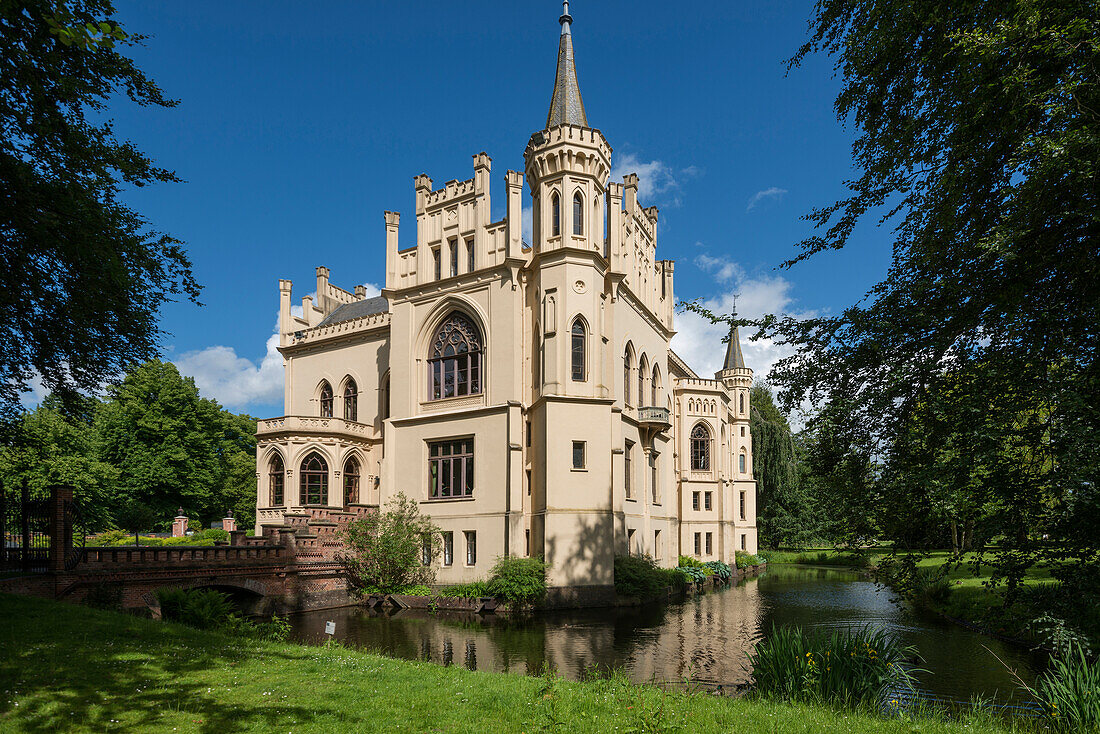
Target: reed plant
column 851, row 668
column 1069, row 691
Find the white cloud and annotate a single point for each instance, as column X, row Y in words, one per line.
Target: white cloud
column 771, row 193
column 658, row 183
column 699, row 341
column 234, row 381
column 372, row 290
column 721, row 268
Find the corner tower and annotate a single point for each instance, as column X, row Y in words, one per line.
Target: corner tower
column 567, row 164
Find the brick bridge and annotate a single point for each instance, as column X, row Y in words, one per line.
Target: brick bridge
column 291, row 567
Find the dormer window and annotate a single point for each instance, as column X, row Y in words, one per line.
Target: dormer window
column 454, row 367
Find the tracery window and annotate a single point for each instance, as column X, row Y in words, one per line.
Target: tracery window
column 275, row 481
column 351, row 400
column 326, row 400
column 313, row 481
column 700, row 448
column 454, row 367
column 578, row 345
column 578, row 214
column 351, row 481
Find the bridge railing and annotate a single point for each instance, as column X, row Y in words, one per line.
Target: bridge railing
column 114, row 556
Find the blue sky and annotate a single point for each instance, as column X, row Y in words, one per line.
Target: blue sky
column 299, row 124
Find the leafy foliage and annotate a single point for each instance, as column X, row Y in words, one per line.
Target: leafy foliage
column 720, row 569
column 1070, row 691
column 743, row 559
column 851, row 668
column 639, row 577
column 384, row 550
column 519, row 582
column 472, row 590
column 149, row 447
column 83, row 274
column 696, row 574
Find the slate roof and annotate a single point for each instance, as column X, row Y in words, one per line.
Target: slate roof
column 566, row 106
column 734, row 359
column 357, row 310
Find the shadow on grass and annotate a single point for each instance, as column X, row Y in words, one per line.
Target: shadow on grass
column 64, row 667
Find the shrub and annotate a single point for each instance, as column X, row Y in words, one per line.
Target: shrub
column 690, row 562
column 850, row 668
column 519, row 582
column 417, row 590
column 673, row 577
column 472, row 590
column 720, row 569
column 696, row 574
column 385, row 550
column 202, row 608
column 639, row 577
column 744, row 560
column 1070, row 692
column 929, row 588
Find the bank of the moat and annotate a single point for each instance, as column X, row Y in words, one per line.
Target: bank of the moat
column 706, row 637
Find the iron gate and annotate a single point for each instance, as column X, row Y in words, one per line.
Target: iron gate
column 25, row 523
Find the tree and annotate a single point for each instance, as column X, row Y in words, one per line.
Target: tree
column 82, row 275
column 385, row 550
column 174, row 449
column 781, row 512
column 979, row 136
column 53, row 448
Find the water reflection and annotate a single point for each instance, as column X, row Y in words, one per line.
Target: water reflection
column 707, row 638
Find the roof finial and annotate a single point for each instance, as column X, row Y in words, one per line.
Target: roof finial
column 565, row 18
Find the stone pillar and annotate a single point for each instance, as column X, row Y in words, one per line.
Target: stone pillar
column 229, row 523
column 60, row 540
column 236, row 537
column 179, row 524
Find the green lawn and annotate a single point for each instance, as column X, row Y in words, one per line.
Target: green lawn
column 69, row 668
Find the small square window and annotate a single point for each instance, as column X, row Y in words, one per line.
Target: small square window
column 578, row 455
column 709, row 546
column 742, row 431
column 629, row 542
column 695, row 500
column 706, row 500
column 657, row 544
column 698, row 543
column 742, row 541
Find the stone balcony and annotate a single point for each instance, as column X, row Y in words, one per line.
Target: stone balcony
column 654, row 417
column 314, row 426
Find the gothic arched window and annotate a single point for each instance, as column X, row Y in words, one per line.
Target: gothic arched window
column 628, row 366
column 578, row 345
column 742, row 463
column 700, row 448
column 275, row 481
column 555, row 215
column 742, row 403
column 655, row 386
column 578, row 214
column 313, row 480
column 351, row 400
column 454, row 367
column 643, row 370
column 326, row 400
column 384, row 398
column 351, row 481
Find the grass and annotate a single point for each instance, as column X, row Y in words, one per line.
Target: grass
column 67, row 668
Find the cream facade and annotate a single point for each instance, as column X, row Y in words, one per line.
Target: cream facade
column 524, row 393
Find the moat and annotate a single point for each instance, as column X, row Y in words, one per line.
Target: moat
column 707, row 637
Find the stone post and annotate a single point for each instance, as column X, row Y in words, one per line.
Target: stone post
column 236, row 537
column 179, row 524
column 59, row 538
column 229, row 523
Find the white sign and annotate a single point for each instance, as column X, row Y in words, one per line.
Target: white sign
column 330, row 628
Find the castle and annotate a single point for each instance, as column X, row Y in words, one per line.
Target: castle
column 524, row 394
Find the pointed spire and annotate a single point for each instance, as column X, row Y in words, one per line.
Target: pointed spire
column 734, row 359
column 566, row 107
